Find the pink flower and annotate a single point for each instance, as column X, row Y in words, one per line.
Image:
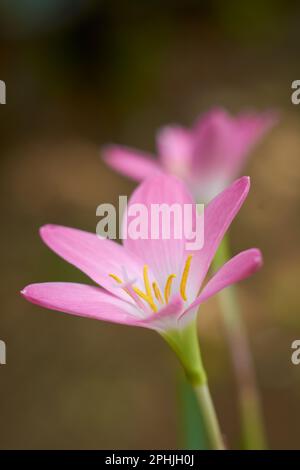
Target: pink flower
column 151, row 283
column 208, row 157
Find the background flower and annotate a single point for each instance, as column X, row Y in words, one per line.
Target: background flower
column 208, row 156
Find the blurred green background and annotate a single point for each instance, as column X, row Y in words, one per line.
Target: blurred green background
column 80, row 74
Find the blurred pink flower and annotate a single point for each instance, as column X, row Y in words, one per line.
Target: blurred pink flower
column 209, row 156
column 152, row 283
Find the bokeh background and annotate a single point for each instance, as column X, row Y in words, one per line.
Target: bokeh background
column 83, row 73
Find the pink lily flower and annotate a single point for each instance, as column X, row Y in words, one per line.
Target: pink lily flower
column 208, row 157
column 150, row 283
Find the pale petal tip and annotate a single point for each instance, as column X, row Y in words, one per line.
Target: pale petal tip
column 24, row 292
column 27, row 291
column 244, row 182
column 258, row 258
column 44, row 229
column 47, row 226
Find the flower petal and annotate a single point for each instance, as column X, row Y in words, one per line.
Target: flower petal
column 133, row 163
column 250, row 129
column 81, row 300
column 222, row 142
column 96, row 257
column 165, row 256
column 167, row 317
column 175, row 149
column 254, row 125
column 218, row 215
column 236, row 269
column 214, row 140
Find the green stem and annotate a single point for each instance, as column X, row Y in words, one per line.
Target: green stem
column 185, row 344
column 253, row 432
column 192, row 432
column 209, row 417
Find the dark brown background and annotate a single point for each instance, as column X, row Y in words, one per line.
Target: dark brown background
column 81, row 74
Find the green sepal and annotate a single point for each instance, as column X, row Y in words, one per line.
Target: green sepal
column 184, row 343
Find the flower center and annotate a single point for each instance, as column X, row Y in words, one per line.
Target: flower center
column 152, row 291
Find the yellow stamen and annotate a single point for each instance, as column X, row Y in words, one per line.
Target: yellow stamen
column 119, row 281
column 148, row 296
column 146, row 281
column 140, row 293
column 116, row 278
column 148, row 289
column 157, row 292
column 145, row 297
column 185, row 277
column 168, row 287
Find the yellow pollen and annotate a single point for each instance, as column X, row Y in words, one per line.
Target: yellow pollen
column 148, row 296
column 148, row 289
column 116, row 278
column 157, row 292
column 185, row 277
column 119, row 281
column 168, row 286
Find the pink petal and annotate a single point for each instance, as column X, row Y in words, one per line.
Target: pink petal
column 214, row 140
column 167, row 317
column 250, row 129
column 94, row 256
column 164, row 256
column 236, row 269
column 222, row 142
column 255, row 125
column 133, row 163
column 218, row 215
column 81, row 300
column 175, row 149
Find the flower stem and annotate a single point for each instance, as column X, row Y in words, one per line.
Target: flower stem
column 253, row 432
column 209, row 417
column 185, row 344
column 192, row 432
